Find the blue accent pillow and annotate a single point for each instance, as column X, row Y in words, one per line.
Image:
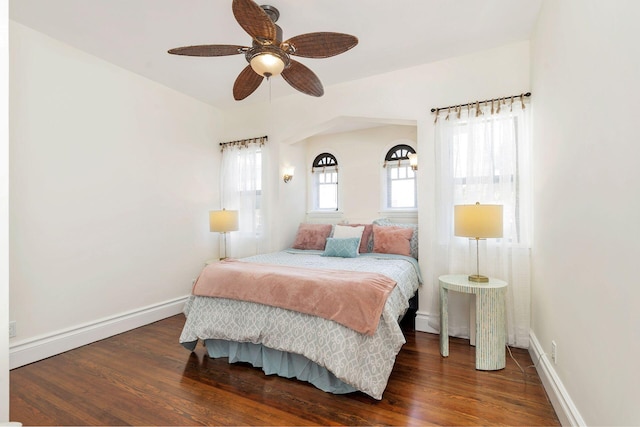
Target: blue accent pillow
column 343, row 248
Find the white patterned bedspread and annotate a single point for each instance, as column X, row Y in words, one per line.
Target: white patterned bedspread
column 364, row 362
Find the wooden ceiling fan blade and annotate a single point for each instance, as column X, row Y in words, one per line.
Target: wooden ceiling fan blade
column 254, row 20
column 246, row 83
column 321, row 45
column 303, row 79
column 208, row 50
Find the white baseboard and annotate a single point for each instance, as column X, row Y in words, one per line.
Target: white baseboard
column 422, row 323
column 565, row 408
column 34, row 349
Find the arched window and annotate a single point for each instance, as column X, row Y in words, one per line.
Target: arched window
column 401, row 192
column 325, row 182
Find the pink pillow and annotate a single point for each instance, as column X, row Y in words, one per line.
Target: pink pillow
column 392, row 240
column 312, row 236
column 366, row 236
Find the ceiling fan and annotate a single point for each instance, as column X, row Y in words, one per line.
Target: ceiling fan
column 268, row 55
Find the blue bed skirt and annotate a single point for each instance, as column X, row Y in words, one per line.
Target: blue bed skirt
column 288, row 365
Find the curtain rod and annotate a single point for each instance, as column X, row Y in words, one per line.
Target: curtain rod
column 433, row 110
column 260, row 139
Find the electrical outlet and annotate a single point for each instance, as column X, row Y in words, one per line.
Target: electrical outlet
column 554, row 352
column 12, row 329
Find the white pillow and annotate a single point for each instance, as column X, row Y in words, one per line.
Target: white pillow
column 347, row 231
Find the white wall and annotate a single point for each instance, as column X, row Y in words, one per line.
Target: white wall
column 403, row 95
column 111, row 178
column 360, row 156
column 4, row 216
column 585, row 83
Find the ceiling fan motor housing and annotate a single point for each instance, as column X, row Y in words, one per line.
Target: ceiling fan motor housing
column 271, row 11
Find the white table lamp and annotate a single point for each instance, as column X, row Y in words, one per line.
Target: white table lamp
column 478, row 222
column 223, row 221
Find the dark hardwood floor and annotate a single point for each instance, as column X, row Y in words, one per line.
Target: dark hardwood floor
column 144, row 377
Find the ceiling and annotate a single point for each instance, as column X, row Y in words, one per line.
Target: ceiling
column 136, row 34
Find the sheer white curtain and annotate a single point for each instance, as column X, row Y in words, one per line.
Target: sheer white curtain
column 242, row 179
column 485, row 157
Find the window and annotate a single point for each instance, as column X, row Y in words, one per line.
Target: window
column 485, row 160
column 401, row 192
column 325, row 182
column 242, row 190
column 249, row 186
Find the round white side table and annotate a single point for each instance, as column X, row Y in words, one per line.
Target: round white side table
column 490, row 318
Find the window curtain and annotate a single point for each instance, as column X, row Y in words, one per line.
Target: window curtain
column 242, row 179
column 483, row 155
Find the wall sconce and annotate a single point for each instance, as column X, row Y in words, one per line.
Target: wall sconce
column 288, row 174
column 413, row 161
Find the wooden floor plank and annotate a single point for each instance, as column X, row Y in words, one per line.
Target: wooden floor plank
column 144, row 377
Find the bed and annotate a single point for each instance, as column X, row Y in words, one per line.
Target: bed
column 331, row 356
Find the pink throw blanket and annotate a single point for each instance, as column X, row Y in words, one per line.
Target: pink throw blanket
column 352, row 298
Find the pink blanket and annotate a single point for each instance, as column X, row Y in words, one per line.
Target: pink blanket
column 352, row 298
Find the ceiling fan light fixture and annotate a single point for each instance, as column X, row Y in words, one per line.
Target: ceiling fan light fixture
column 267, row 60
column 267, row 64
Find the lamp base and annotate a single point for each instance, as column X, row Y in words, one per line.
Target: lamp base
column 478, row 278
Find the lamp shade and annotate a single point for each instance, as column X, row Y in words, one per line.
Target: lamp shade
column 223, row 221
column 478, row 221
